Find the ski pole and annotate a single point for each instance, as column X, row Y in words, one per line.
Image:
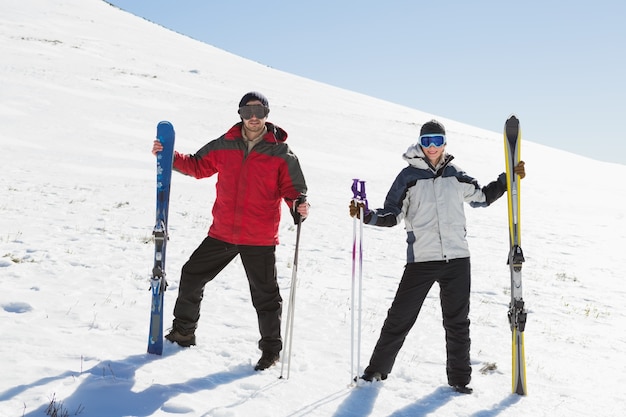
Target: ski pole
column 352, row 291
column 292, row 294
column 360, row 297
column 360, row 198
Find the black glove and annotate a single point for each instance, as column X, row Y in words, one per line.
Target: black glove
column 297, row 217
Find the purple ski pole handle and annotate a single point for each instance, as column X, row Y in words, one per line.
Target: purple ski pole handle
column 358, row 192
column 355, row 188
column 363, row 196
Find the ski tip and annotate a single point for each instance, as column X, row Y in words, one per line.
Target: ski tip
column 512, row 127
column 165, row 131
column 512, row 119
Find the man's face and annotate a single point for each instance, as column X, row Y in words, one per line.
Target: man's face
column 254, row 124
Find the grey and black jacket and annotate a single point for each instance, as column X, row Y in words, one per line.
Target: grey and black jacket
column 430, row 200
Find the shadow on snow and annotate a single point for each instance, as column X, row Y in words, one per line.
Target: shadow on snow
column 107, row 389
column 427, row 404
column 360, row 401
column 500, row 407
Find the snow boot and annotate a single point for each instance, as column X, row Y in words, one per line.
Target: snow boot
column 267, row 359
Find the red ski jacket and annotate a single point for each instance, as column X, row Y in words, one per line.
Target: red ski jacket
column 250, row 185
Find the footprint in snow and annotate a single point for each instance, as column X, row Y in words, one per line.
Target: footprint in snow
column 17, row 307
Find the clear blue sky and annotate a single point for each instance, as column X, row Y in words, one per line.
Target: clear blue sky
column 559, row 65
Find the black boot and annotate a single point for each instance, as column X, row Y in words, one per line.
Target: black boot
column 184, row 338
column 267, row 359
column 373, row 376
column 463, row 389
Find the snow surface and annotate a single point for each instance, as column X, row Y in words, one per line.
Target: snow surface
column 83, row 85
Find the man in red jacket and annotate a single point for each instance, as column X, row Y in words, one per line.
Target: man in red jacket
column 257, row 171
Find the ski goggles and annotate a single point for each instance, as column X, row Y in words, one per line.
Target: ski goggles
column 258, row 111
column 436, row 140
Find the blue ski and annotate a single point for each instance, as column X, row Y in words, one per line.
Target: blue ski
column 158, row 284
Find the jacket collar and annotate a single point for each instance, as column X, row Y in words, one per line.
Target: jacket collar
column 415, row 157
column 274, row 133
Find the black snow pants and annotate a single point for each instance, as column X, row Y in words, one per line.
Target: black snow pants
column 259, row 262
column 418, row 278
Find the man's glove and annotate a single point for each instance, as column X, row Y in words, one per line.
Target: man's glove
column 355, row 209
column 297, row 217
column 519, row 169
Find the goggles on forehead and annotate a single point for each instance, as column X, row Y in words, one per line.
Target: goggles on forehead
column 437, row 140
column 258, row 111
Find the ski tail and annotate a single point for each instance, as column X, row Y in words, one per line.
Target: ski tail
column 158, row 284
column 519, row 363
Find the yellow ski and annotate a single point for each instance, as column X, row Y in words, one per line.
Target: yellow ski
column 517, row 312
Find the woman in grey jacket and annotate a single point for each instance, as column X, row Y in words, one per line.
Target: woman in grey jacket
column 428, row 195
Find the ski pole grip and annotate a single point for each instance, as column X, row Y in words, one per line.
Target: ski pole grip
column 363, row 195
column 297, row 217
column 362, row 191
column 355, row 188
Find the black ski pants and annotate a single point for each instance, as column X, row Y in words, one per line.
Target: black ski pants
column 207, row 261
column 454, row 282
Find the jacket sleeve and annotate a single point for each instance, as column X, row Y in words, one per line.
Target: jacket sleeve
column 198, row 165
column 393, row 211
column 483, row 197
column 292, row 184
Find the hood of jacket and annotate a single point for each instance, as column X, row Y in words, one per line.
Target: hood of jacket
column 415, row 156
